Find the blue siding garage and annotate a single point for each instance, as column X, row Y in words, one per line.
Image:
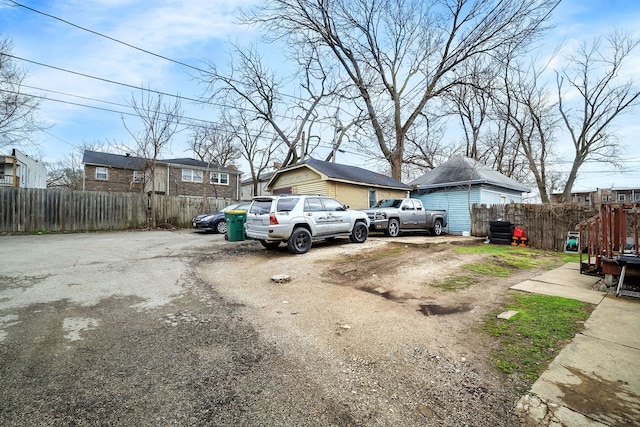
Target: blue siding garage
column 461, row 182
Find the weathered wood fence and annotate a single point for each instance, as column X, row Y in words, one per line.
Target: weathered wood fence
column 31, row 210
column 546, row 226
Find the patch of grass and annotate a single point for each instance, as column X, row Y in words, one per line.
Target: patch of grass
column 454, row 283
column 529, row 340
column 504, row 259
column 488, row 268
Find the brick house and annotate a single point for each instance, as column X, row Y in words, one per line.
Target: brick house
column 601, row 196
column 183, row 176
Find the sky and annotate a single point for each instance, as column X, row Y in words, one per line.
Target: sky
column 196, row 31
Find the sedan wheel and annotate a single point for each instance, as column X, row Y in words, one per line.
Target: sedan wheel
column 221, row 227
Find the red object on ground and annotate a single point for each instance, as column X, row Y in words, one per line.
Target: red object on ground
column 518, row 232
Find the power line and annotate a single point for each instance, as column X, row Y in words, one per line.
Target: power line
column 144, row 51
column 106, row 37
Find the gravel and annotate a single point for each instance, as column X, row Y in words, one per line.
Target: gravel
column 342, row 342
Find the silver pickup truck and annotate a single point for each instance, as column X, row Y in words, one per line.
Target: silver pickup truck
column 393, row 216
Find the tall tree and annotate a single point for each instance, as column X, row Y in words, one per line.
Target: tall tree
column 250, row 85
column 18, row 123
column 400, row 54
column 529, row 112
column 160, row 122
column 68, row 173
column 591, row 95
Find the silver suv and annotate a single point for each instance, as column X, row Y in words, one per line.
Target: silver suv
column 299, row 219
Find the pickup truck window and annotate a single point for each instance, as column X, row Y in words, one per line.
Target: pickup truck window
column 388, row 203
column 408, row 205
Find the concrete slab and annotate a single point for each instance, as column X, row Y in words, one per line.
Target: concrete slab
column 616, row 320
column 568, row 277
column 595, row 378
column 545, row 288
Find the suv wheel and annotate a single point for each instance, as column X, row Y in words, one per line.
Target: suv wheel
column 300, row 241
column 359, row 233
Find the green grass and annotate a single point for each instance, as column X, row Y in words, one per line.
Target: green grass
column 454, row 283
column 532, row 338
column 505, row 259
column 528, row 341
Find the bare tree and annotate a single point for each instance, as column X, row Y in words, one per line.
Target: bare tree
column 215, row 144
column 258, row 147
column 253, row 87
column 18, row 110
column 592, row 78
column 400, row 54
column 68, row 173
column 160, row 122
column 530, row 113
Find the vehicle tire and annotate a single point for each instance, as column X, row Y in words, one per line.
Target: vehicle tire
column 500, row 223
column 497, row 229
column 393, row 228
column 436, row 230
column 221, row 227
column 359, row 233
column 507, row 236
column 300, row 241
column 496, row 241
column 269, row 245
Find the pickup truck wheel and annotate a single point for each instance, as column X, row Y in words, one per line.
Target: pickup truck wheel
column 300, row 241
column 393, row 228
column 359, row 233
column 437, row 228
column 269, row 245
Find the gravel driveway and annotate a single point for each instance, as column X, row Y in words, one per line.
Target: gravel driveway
column 180, row 328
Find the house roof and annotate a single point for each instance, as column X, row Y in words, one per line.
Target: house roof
column 113, row 160
column 138, row 163
column 263, row 177
column 340, row 172
column 461, row 170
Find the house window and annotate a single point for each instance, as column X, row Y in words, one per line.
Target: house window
column 219, row 178
column 138, row 176
column 191, row 175
column 102, row 173
column 372, row 197
column 503, row 200
column 622, row 197
column 604, row 198
column 636, row 197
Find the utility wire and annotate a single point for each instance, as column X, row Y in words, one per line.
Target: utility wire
column 106, row 37
column 144, row 51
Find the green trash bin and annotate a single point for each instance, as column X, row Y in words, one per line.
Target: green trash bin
column 235, row 224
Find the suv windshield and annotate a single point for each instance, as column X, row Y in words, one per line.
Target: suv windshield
column 260, row 207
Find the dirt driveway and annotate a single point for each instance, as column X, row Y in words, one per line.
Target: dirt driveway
column 179, row 328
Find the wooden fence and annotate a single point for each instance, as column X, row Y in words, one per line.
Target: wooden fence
column 32, row 210
column 546, row 226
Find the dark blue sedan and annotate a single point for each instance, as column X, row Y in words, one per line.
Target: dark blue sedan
column 215, row 221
